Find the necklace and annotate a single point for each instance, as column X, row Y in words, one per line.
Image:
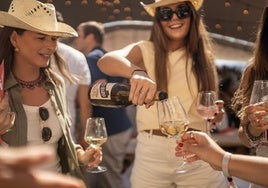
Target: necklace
column 32, row 84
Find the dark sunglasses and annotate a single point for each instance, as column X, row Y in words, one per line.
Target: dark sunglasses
column 182, row 11
column 46, row 131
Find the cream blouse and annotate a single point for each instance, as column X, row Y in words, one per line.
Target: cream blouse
column 177, row 86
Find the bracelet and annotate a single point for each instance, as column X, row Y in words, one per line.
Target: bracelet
column 225, row 162
column 251, row 137
column 142, row 70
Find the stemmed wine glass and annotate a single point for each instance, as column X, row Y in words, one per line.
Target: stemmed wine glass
column 95, row 136
column 173, row 122
column 206, row 106
column 259, row 94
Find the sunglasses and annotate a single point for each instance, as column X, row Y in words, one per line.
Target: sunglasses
column 46, row 131
column 182, row 11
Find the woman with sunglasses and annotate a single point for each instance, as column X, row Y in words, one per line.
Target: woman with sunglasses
column 34, row 109
column 176, row 59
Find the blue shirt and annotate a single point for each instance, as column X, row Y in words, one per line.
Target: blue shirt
column 116, row 119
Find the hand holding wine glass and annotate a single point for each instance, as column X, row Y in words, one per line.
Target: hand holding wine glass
column 173, row 122
column 95, row 136
column 7, row 117
column 259, row 98
column 206, row 106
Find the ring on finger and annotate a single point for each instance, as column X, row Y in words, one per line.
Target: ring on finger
column 141, row 92
column 191, row 134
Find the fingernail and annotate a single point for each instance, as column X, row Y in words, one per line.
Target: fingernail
column 181, row 144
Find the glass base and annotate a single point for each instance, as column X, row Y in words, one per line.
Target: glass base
column 97, row 169
column 186, row 167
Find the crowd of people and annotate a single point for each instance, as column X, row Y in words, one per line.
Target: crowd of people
column 45, row 106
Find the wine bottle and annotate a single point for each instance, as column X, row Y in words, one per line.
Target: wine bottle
column 114, row 95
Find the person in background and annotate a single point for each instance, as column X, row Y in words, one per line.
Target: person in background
column 174, row 60
column 77, row 93
column 250, row 168
column 253, row 122
column 89, row 42
column 34, row 93
column 20, row 170
column 229, row 81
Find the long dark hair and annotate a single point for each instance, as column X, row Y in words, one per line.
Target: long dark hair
column 6, row 48
column 257, row 68
column 260, row 55
column 198, row 47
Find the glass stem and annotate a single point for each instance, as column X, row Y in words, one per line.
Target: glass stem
column 207, row 127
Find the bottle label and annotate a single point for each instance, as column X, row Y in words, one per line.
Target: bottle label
column 101, row 91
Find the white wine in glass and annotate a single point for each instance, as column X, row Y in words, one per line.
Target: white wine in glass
column 95, row 136
column 95, row 142
column 174, row 128
column 173, row 122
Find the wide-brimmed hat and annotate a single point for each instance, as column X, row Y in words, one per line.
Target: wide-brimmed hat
column 35, row 16
column 150, row 8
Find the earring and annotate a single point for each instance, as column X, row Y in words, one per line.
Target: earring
column 16, row 49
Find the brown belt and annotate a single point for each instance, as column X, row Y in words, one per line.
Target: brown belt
column 157, row 132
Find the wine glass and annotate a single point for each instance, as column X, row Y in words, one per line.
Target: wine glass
column 173, row 122
column 206, row 106
column 259, row 94
column 95, row 136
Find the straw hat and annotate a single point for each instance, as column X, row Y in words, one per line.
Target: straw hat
column 150, row 8
column 35, row 16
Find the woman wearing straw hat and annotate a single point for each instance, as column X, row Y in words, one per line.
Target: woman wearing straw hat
column 176, row 59
column 34, row 109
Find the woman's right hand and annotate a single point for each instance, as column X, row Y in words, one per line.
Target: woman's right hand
column 203, row 146
column 142, row 89
column 7, row 118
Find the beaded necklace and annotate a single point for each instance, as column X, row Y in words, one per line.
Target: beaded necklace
column 32, row 84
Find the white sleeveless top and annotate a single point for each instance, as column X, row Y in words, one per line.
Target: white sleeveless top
column 177, row 86
column 34, row 131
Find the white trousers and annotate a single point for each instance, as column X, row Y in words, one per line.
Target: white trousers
column 155, row 165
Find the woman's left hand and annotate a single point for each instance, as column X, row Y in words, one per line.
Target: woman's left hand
column 257, row 114
column 91, row 157
column 219, row 115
